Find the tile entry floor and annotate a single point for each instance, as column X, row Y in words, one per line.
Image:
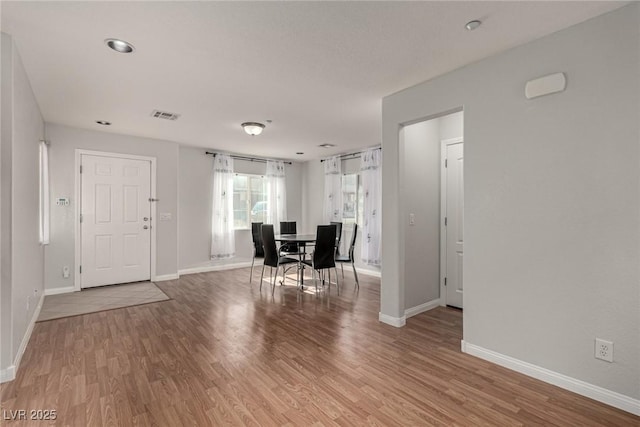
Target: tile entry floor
column 100, row 299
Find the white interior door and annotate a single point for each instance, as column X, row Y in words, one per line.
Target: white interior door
column 454, row 223
column 115, row 220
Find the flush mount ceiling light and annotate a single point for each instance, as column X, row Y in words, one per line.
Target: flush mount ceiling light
column 472, row 25
column 103, row 123
column 119, row 45
column 326, row 145
column 253, row 128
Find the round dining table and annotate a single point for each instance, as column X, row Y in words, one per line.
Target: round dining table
column 303, row 240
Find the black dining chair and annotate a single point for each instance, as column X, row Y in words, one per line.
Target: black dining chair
column 258, row 250
column 271, row 256
column 289, row 248
column 324, row 255
column 338, row 235
column 342, row 259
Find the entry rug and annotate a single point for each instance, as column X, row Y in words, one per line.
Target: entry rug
column 100, row 299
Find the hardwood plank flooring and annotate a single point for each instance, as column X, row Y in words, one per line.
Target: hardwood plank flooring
column 221, row 352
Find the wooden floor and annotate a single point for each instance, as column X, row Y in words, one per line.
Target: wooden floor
column 223, row 353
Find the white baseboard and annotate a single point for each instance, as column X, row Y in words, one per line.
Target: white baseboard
column 164, row 277
column 220, row 267
column 398, row 322
column 583, row 388
column 9, row 374
column 429, row 305
column 367, row 272
column 56, row 291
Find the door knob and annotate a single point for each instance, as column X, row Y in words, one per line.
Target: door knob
column 145, row 227
column 145, row 219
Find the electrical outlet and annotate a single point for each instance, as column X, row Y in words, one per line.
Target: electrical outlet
column 66, row 271
column 412, row 219
column 604, row 350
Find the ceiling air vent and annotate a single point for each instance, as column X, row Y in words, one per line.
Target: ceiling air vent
column 164, row 115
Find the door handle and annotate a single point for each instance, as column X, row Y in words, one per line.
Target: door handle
column 145, row 227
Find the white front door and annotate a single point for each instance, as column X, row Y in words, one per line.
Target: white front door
column 454, row 223
column 115, row 220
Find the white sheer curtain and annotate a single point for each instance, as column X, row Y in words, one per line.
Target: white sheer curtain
column 332, row 205
column 44, row 193
column 223, row 244
column 371, row 175
column 276, row 194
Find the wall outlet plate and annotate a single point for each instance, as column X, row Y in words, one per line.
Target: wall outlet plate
column 604, row 350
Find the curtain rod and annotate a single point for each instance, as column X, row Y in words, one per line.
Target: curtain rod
column 354, row 155
column 250, row 159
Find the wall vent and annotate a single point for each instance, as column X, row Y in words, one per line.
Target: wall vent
column 164, row 115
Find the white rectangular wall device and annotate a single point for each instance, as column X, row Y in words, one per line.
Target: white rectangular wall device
column 545, row 85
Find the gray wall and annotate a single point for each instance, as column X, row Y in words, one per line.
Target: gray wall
column 552, row 200
column 64, row 141
column 195, row 202
column 22, row 255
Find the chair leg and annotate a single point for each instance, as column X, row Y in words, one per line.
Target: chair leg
column 261, row 276
column 337, row 283
column 275, row 278
column 315, row 280
column 341, row 268
column 355, row 274
column 251, row 274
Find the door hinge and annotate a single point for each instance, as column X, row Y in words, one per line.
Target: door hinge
column 445, row 221
column 445, row 281
column 80, row 168
column 81, row 270
column 445, row 162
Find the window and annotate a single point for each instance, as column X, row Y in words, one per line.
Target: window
column 350, row 198
column 249, row 200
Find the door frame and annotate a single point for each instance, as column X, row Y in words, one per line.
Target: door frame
column 78, row 206
column 443, row 213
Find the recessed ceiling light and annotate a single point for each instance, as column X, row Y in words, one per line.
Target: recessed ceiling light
column 326, row 145
column 472, row 25
column 103, row 123
column 119, row 45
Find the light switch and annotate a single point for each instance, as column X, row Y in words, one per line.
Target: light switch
column 412, row 219
column 166, row 216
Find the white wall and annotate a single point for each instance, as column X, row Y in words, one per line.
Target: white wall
column 552, row 200
column 195, row 202
column 22, row 255
column 64, row 141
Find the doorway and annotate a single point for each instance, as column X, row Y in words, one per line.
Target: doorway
column 115, row 238
column 427, row 150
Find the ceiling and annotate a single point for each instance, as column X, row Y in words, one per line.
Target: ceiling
column 317, row 69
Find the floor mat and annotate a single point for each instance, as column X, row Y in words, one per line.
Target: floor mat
column 100, row 299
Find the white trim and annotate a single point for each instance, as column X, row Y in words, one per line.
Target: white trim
column 77, row 282
column 9, row 374
column 56, row 291
column 429, row 305
column 443, row 214
column 398, row 322
column 369, row 272
column 220, row 267
column 165, row 277
column 583, row 388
